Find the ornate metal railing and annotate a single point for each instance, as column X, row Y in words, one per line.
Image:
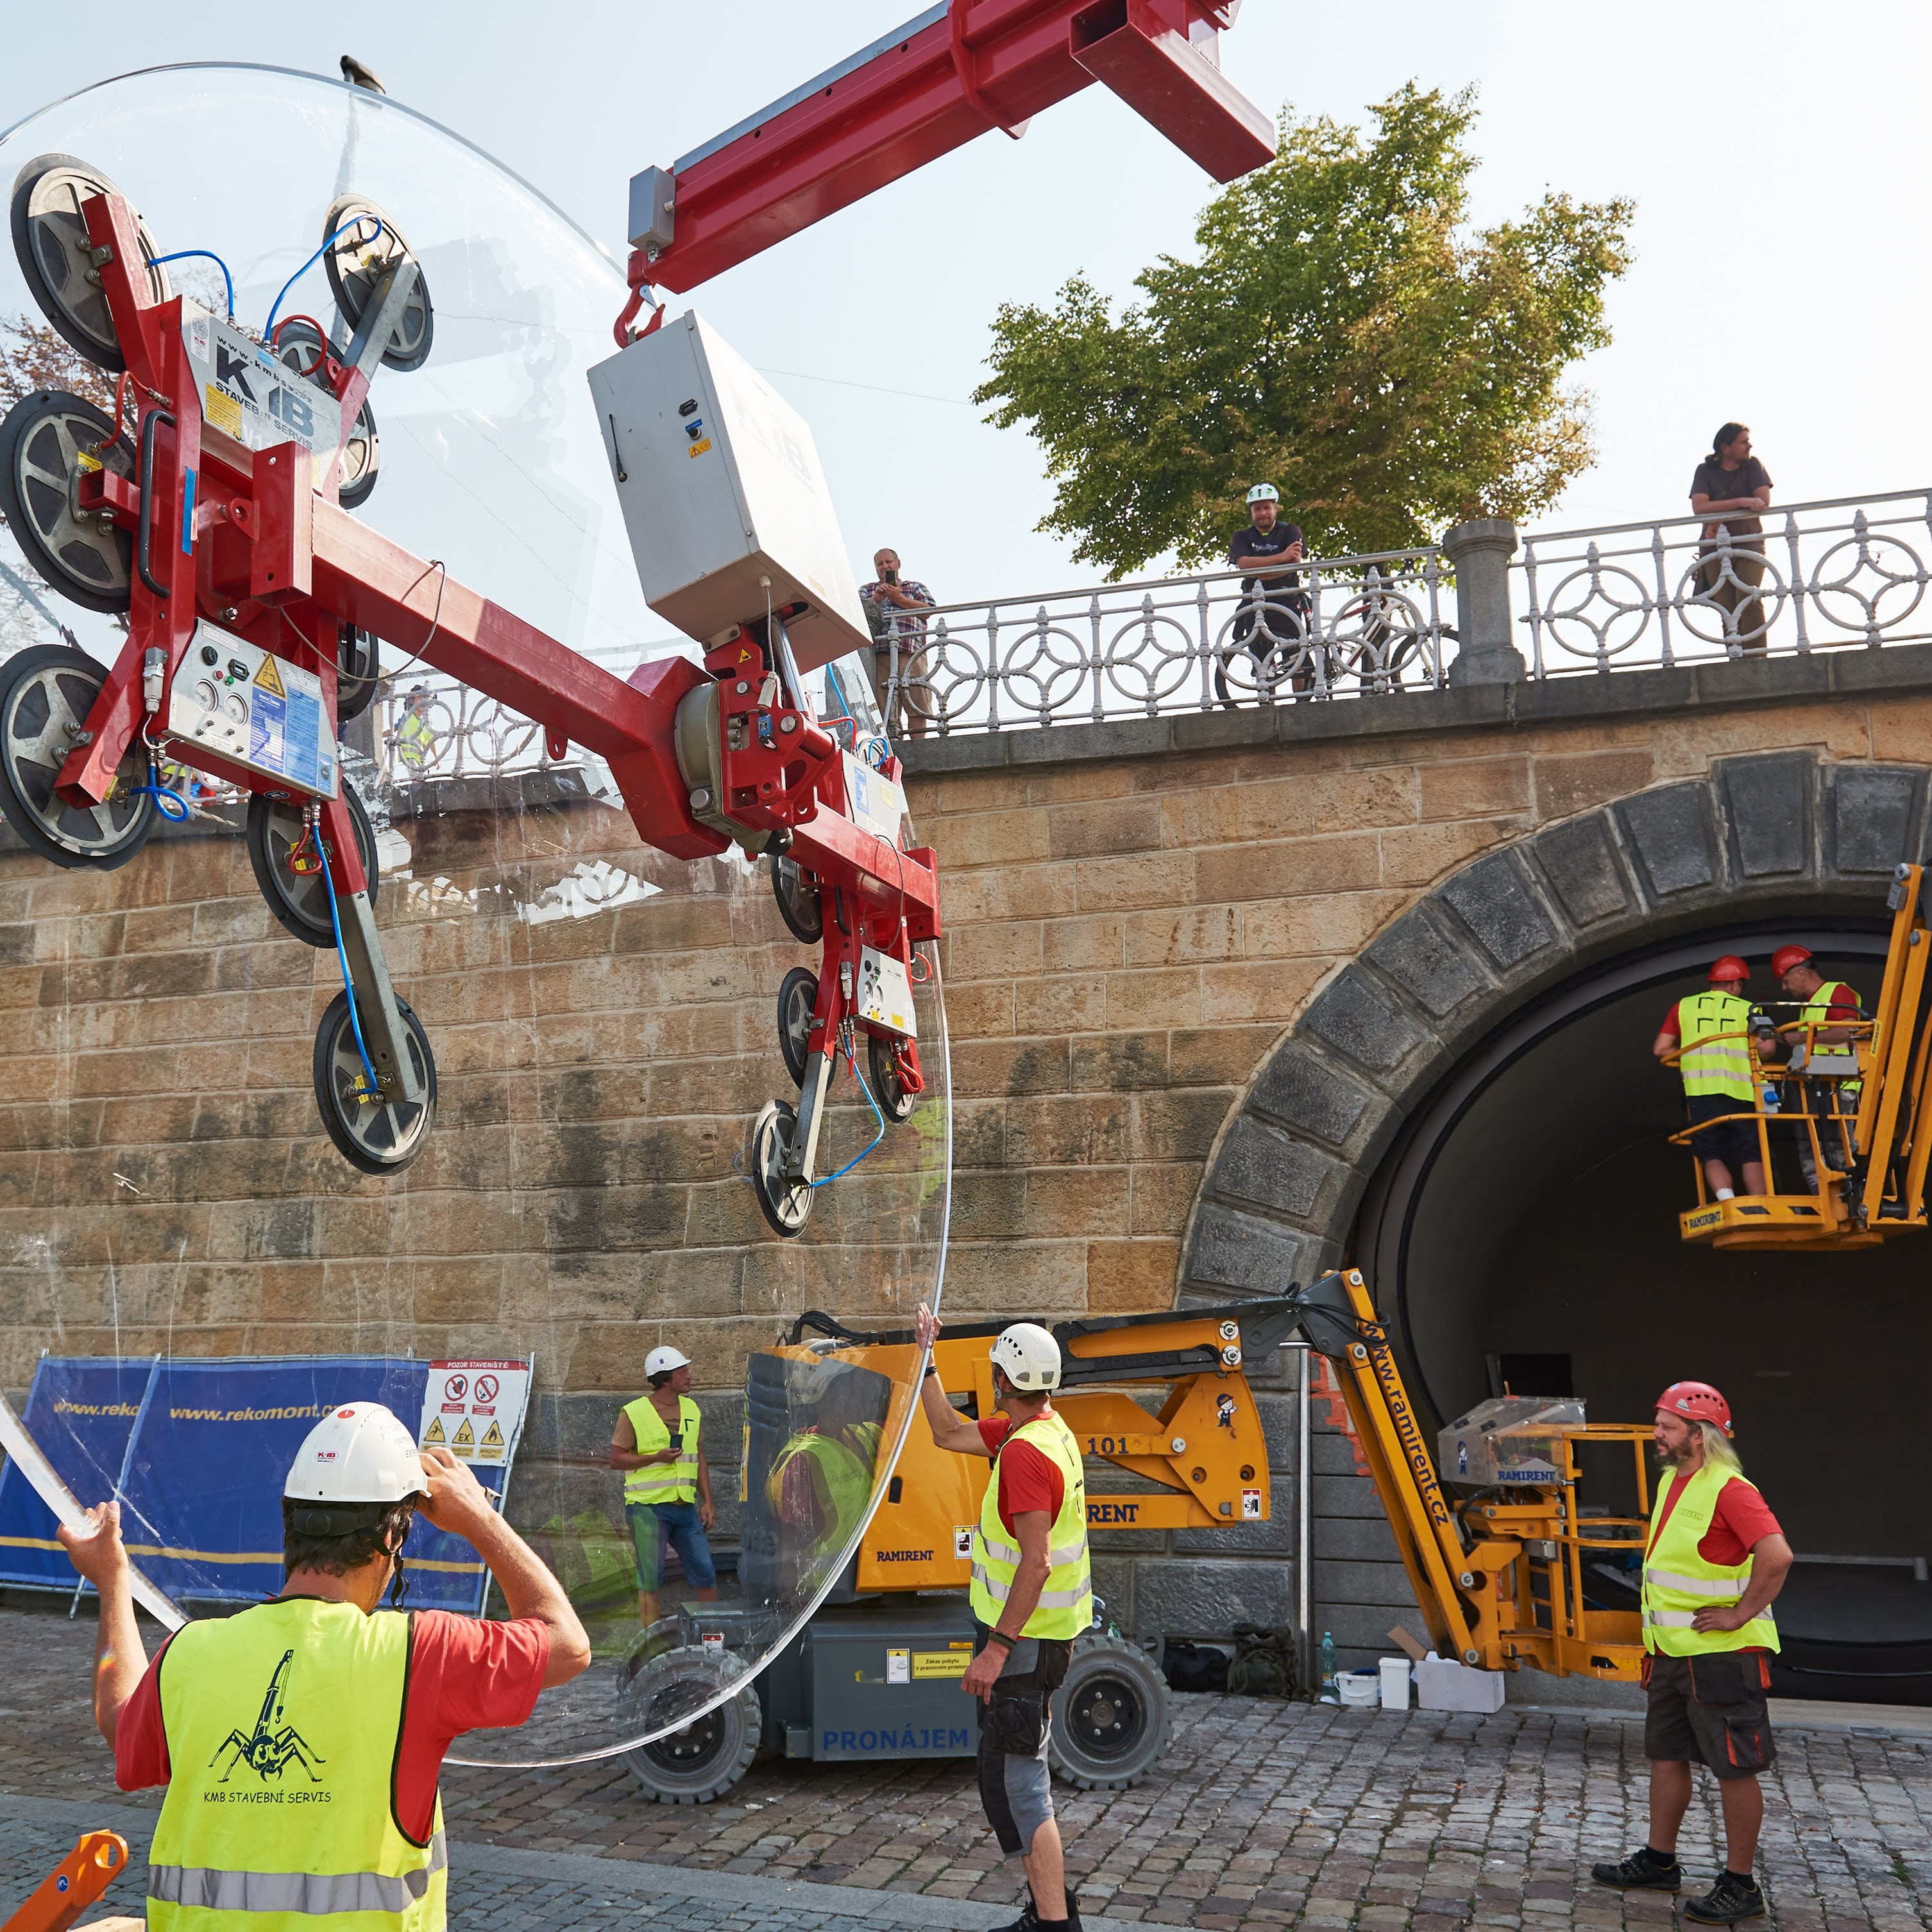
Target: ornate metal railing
column 1850, row 571
column 1340, row 626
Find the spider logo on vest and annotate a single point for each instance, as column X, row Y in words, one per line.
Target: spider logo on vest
column 267, row 1751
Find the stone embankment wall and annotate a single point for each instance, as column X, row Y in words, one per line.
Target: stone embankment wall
column 1136, row 917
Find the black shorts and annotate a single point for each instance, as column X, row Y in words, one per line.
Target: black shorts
column 1710, row 1710
column 1733, row 1142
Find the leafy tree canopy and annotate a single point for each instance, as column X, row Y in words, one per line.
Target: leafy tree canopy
column 1342, row 335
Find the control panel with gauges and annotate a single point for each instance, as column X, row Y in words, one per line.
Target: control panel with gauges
column 254, row 709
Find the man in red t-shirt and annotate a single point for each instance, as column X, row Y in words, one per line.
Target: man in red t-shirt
column 1706, row 1696
column 461, row 1673
column 1826, row 1094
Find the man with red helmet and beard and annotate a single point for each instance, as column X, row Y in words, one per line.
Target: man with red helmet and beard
column 1715, row 1561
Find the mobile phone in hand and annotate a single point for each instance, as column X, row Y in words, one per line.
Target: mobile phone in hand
column 891, row 577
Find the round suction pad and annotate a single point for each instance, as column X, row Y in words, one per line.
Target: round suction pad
column 288, row 868
column 366, row 250
column 48, row 441
column 51, row 242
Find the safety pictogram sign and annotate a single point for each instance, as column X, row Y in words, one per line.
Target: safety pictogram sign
column 475, row 1408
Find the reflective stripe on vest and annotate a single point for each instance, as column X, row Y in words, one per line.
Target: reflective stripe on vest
column 282, row 1723
column 1711, row 1065
column 316, row 1895
column 1816, row 1016
column 663, row 1482
column 414, row 740
column 1065, row 1606
column 1677, row 1583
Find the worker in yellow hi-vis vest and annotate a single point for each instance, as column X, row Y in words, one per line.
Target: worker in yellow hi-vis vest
column 300, row 1740
column 1710, row 1032
column 1032, row 1594
column 667, row 1481
column 1714, row 1561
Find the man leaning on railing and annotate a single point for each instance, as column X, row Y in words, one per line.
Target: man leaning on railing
column 894, row 606
column 1731, row 478
column 1273, row 594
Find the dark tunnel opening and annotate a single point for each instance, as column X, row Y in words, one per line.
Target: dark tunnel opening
column 1525, row 1227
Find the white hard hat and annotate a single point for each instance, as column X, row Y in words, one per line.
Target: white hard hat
column 1265, row 492
column 1029, row 1356
column 661, row 1361
column 357, row 1453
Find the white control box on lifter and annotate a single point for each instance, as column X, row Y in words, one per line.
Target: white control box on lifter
column 722, row 492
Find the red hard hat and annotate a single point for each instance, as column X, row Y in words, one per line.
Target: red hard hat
column 1729, row 967
column 1695, row 1402
column 1786, row 957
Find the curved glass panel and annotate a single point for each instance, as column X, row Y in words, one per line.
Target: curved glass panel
column 194, row 1274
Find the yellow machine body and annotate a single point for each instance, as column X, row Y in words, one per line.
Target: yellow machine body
column 1500, row 1582
column 1870, row 1160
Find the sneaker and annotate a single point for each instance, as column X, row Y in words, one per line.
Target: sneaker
column 1730, row 1899
column 1643, row 1871
column 1030, row 1920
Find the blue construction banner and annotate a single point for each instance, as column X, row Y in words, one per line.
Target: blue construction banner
column 81, row 1412
column 200, row 1471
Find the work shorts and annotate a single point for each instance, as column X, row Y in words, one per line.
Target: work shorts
column 1015, row 1728
column 654, row 1525
column 1733, row 1142
column 1710, row 1710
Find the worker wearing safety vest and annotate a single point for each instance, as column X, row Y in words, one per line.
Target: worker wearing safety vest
column 415, row 741
column 1032, row 1594
column 667, row 1481
column 1715, row 1561
column 820, row 1482
column 300, row 1740
column 1827, row 1011
column 1710, row 1033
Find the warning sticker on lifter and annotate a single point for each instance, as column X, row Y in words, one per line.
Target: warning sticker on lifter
column 1251, row 1506
column 962, row 1541
column 942, row 1663
column 899, row 1667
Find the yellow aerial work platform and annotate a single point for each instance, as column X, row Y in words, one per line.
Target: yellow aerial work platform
column 1853, row 1112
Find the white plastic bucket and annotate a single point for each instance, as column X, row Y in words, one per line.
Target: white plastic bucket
column 1395, row 1683
column 1361, row 1689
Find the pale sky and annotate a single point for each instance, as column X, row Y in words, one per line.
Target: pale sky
column 1779, row 156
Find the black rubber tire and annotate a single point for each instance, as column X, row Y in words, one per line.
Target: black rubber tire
column 410, row 348
column 300, row 900
column 41, row 441
column 798, row 998
column 894, row 1102
column 301, row 348
column 787, row 1207
column 50, row 250
column 35, row 686
column 707, row 1757
column 796, row 893
column 356, row 668
column 336, row 1070
column 1112, row 1718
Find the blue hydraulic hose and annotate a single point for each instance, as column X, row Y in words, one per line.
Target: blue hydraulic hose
column 348, row 985
column 168, row 803
column 203, row 255
column 871, row 1102
column 269, row 331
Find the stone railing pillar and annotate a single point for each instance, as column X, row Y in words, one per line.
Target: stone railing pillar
column 1479, row 552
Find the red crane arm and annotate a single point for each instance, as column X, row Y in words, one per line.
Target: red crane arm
column 956, row 70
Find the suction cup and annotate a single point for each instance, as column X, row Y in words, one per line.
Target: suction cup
column 798, row 997
column 786, row 1204
column 378, row 1136
column 299, row 900
column 46, row 693
column 896, row 1100
column 797, row 892
column 358, row 263
column 47, row 441
column 55, row 256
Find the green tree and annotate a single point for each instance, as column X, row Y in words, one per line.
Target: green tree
column 1343, row 335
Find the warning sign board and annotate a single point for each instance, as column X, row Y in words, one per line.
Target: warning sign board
column 475, row 1408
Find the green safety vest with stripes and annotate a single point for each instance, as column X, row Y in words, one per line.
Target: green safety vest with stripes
column 414, row 740
column 1816, row 1015
column 842, row 1468
column 1065, row 1606
column 282, row 1724
column 1677, row 1583
column 663, row 1482
column 1710, row 1064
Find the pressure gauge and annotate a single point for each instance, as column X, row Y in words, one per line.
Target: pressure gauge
column 207, row 694
column 236, row 706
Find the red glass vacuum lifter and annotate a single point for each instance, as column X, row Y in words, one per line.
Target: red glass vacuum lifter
column 215, row 510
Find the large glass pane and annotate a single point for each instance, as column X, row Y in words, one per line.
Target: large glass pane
column 192, row 1274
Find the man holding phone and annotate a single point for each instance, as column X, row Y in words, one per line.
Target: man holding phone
column 893, row 604
column 667, row 1482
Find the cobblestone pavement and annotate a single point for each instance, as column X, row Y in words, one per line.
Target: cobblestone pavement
column 1261, row 1815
